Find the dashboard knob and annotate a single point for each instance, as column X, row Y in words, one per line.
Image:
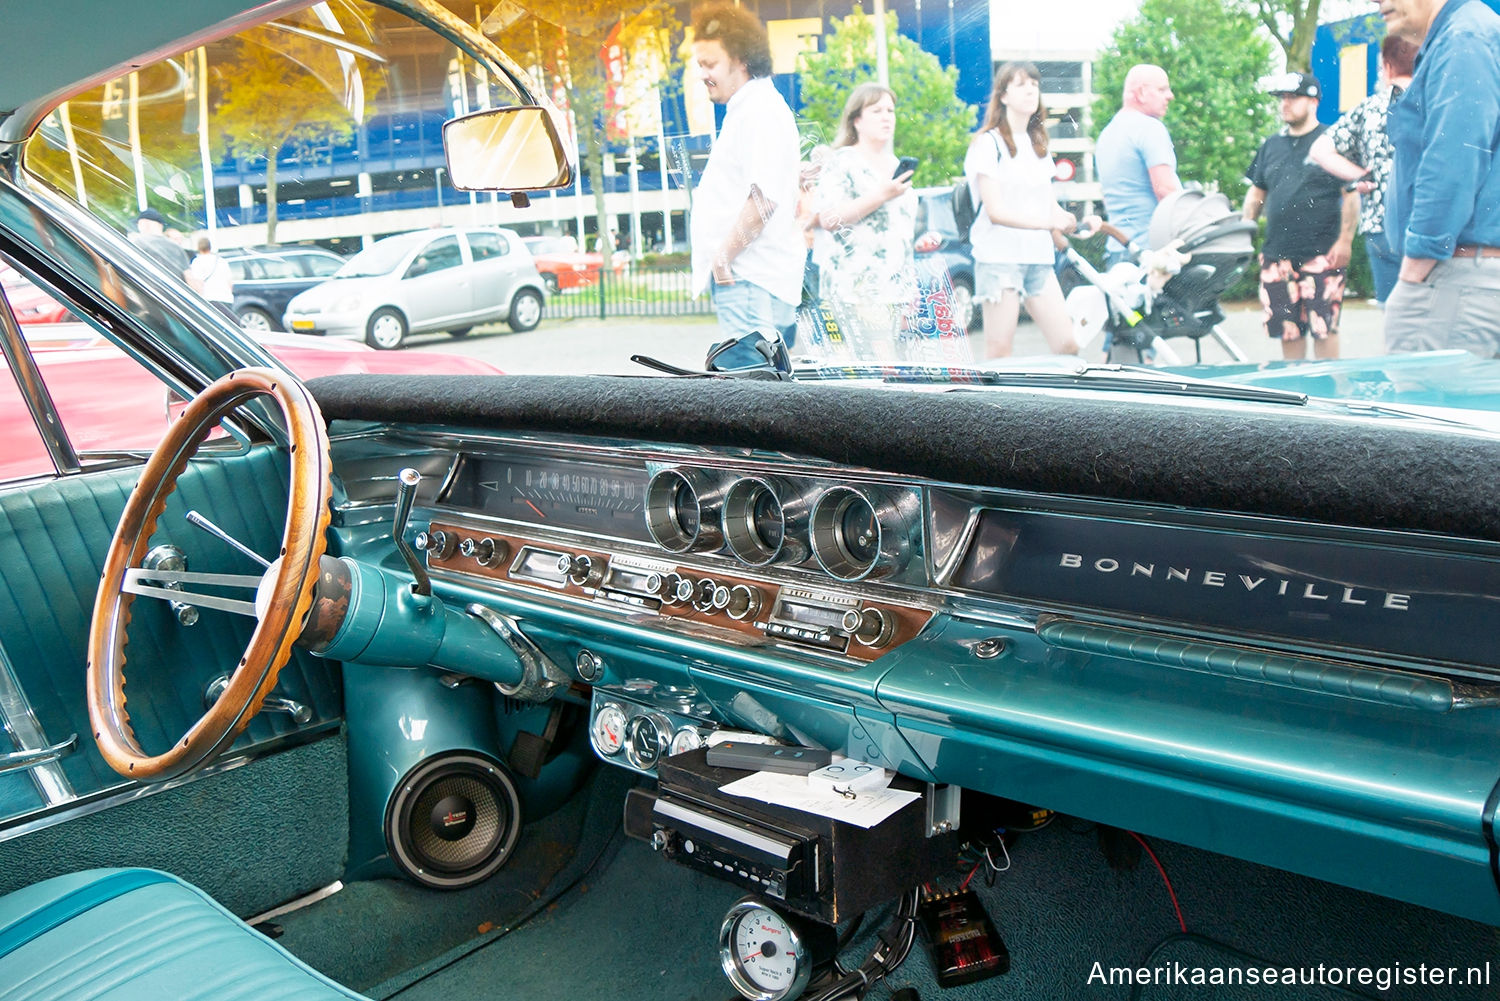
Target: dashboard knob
column 581, row 569
column 869, row 626
column 484, row 551
column 667, row 589
column 703, row 595
column 436, row 543
column 740, row 602
column 684, row 591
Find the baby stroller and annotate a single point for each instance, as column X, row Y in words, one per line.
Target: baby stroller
column 1198, row 246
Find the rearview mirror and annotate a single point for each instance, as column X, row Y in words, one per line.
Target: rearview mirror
column 506, row 149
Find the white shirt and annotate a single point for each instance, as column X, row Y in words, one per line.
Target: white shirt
column 213, row 271
column 758, row 145
column 1026, row 179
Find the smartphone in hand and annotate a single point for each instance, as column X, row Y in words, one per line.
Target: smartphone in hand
column 905, row 165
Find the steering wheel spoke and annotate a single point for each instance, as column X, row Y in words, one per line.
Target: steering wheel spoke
column 283, row 595
column 149, row 583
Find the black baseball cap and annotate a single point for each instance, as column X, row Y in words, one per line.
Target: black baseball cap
column 1295, row 85
column 152, row 215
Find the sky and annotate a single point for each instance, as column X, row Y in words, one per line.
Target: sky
column 1087, row 25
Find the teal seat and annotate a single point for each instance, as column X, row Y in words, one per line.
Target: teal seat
column 139, row 934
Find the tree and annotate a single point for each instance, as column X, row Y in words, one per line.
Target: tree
column 589, row 45
column 1214, row 57
column 277, row 90
column 1292, row 23
column 932, row 124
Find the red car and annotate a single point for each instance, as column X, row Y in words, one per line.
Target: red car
column 563, row 265
column 30, row 304
column 108, row 401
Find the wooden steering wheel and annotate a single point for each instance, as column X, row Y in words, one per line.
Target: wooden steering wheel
column 283, row 595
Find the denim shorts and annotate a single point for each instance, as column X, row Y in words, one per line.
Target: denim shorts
column 743, row 307
column 991, row 281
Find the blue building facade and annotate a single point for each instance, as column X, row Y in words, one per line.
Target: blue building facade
column 395, row 160
column 1346, row 60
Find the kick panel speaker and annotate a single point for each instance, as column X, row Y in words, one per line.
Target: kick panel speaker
column 453, row 820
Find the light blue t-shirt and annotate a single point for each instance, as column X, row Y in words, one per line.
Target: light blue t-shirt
column 1130, row 145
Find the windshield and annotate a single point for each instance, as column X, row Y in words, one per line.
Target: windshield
column 381, row 259
column 924, row 191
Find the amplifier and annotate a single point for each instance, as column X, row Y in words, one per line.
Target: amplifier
column 817, row 867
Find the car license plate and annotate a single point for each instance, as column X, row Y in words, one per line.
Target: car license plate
column 303, row 325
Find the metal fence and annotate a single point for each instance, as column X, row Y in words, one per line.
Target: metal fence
column 635, row 290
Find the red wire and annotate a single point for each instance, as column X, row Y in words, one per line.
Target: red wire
column 1164, row 878
column 965, row 884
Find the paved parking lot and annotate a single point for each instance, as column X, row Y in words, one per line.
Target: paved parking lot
column 605, row 346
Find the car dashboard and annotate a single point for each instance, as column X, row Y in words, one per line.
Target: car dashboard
column 1310, row 695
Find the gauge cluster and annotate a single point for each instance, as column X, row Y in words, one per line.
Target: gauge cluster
column 850, row 532
column 749, row 513
column 639, row 723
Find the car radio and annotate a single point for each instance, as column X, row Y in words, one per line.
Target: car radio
column 816, row 866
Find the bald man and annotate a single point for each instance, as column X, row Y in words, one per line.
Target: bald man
column 1134, row 157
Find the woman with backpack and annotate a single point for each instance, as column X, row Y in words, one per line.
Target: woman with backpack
column 1010, row 172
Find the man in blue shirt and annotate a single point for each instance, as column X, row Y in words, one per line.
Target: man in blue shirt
column 1134, row 155
column 1443, row 206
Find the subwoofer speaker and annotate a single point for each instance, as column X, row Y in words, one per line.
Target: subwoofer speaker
column 453, row 820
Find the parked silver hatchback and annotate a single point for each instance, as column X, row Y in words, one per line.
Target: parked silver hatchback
column 434, row 279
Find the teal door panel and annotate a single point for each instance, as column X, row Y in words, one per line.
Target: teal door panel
column 53, row 539
column 1389, row 799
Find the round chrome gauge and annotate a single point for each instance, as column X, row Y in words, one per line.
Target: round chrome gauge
column 647, row 738
column 762, row 953
column 852, row 537
column 754, row 522
column 609, row 729
column 686, row 739
column 681, row 510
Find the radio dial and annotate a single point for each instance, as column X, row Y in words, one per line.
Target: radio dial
column 740, row 602
column 668, row 589
column 703, row 595
column 581, row 570
column 682, row 591
column 869, row 626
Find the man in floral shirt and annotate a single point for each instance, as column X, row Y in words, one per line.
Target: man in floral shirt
column 1356, row 149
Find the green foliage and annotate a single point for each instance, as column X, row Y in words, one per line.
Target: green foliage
column 306, row 112
column 568, row 40
column 1214, row 55
column 932, row 124
column 1293, row 24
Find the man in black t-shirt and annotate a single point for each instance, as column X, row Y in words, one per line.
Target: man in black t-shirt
column 1310, row 223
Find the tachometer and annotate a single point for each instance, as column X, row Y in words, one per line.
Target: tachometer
column 763, row 953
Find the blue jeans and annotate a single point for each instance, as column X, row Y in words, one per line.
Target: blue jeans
column 1385, row 264
column 744, row 308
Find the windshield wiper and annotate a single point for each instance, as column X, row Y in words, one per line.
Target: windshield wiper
column 1124, row 378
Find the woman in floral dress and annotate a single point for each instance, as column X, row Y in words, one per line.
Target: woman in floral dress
column 869, row 213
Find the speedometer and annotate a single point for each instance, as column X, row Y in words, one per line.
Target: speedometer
column 553, row 493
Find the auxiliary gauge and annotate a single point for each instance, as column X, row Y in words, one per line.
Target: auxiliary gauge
column 609, row 729
column 768, row 956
